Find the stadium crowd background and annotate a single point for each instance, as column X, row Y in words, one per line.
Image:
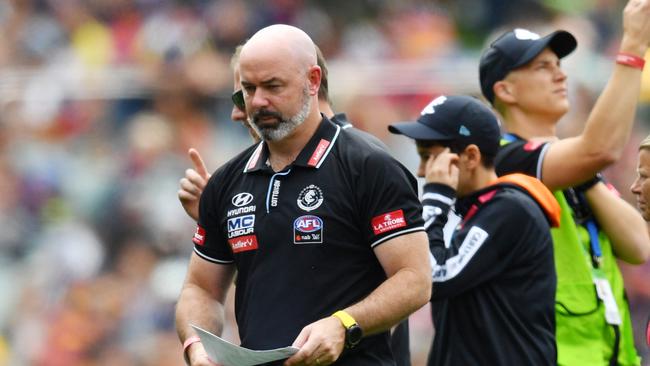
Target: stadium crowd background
column 100, row 100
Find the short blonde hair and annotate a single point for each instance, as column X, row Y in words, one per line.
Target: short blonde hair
column 645, row 144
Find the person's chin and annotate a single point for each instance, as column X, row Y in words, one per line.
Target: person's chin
column 270, row 122
column 562, row 107
column 645, row 210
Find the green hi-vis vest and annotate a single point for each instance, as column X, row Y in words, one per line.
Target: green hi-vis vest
column 582, row 334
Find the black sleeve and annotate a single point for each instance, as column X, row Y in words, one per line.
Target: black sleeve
column 479, row 250
column 210, row 241
column 388, row 199
column 521, row 156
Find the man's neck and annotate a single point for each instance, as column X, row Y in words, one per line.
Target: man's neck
column 530, row 126
column 325, row 108
column 284, row 152
column 482, row 177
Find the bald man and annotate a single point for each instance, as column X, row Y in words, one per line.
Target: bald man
column 323, row 228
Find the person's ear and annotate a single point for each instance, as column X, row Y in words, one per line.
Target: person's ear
column 504, row 91
column 314, row 76
column 471, row 156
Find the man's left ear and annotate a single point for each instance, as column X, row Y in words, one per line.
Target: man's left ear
column 472, row 155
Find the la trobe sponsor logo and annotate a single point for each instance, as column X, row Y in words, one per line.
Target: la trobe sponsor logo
column 388, row 222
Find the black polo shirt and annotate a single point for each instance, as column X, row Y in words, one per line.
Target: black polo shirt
column 302, row 239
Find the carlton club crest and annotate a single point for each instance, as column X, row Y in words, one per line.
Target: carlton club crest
column 310, row 198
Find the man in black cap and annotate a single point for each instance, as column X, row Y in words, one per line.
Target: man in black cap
column 493, row 281
column 521, row 76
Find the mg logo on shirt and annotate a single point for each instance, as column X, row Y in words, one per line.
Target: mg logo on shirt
column 242, row 199
column 241, row 225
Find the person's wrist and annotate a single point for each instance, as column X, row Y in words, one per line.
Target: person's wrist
column 631, row 46
column 630, row 60
column 583, row 187
column 440, row 188
column 186, row 347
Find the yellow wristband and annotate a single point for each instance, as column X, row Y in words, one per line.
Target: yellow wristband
column 346, row 319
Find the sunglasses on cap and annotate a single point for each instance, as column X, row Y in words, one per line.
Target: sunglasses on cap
column 238, row 100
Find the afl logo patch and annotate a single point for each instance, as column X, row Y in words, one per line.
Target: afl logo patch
column 308, row 229
column 242, row 199
column 310, row 198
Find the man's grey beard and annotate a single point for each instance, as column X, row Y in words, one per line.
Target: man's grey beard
column 286, row 126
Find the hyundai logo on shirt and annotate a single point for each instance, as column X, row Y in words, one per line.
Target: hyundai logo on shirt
column 242, row 199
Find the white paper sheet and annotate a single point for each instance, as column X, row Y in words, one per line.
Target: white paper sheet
column 228, row 354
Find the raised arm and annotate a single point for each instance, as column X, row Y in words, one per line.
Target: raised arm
column 574, row 160
column 201, row 303
column 622, row 223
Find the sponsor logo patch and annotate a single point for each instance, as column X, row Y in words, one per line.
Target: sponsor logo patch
column 310, row 198
column 241, row 225
column 275, row 193
column 431, row 107
column 525, row 34
column 308, row 229
column 199, row 235
column 532, row 145
column 242, row 199
column 243, row 243
column 388, row 222
column 318, row 153
column 241, row 210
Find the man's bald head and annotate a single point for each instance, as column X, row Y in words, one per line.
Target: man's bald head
column 280, row 79
column 281, row 41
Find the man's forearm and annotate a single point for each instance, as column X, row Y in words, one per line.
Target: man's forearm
column 610, row 123
column 395, row 299
column 196, row 306
column 622, row 223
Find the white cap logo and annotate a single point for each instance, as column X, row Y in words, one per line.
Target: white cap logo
column 434, row 103
column 525, row 34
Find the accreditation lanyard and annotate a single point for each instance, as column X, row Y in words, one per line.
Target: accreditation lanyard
column 603, row 287
column 583, row 214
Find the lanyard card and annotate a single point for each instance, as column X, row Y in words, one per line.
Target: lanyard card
column 605, row 294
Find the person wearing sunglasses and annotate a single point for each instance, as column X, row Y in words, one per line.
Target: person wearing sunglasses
column 323, row 228
column 195, row 179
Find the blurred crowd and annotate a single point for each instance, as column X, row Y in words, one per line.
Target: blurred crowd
column 101, row 99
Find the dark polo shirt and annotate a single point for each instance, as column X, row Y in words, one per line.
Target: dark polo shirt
column 302, row 239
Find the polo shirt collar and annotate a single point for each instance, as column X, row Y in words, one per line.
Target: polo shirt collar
column 311, row 156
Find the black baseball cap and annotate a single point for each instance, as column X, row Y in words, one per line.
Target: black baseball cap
column 516, row 48
column 461, row 119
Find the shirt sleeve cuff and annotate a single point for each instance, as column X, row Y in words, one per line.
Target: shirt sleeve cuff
column 439, row 192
